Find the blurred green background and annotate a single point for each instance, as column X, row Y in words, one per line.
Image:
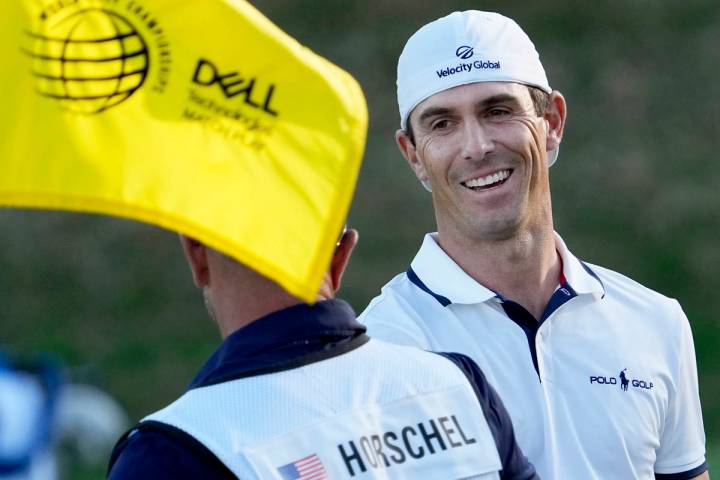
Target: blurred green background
column 635, row 189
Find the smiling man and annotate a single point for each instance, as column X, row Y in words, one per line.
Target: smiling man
column 597, row 372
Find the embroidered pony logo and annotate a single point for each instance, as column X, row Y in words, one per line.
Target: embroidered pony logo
column 623, row 380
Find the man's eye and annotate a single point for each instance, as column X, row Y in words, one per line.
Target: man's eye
column 440, row 124
column 498, row 112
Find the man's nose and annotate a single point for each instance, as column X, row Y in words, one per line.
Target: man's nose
column 477, row 140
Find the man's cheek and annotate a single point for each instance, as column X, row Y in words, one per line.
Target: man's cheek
column 535, row 140
column 533, row 150
column 535, row 125
column 433, row 149
column 520, row 136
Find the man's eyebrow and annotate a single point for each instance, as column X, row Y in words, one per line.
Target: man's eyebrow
column 488, row 102
column 433, row 112
column 499, row 98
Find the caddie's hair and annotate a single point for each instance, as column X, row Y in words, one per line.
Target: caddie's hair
column 540, row 100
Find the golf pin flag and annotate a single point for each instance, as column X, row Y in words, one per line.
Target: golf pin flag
column 199, row 116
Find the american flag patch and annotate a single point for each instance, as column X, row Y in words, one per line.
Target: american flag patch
column 308, row 468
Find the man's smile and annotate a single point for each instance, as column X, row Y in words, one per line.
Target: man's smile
column 489, row 181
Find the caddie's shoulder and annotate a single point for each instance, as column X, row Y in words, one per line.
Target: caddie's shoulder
column 149, row 452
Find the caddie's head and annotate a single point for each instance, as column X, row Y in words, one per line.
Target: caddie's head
column 479, row 123
column 232, row 290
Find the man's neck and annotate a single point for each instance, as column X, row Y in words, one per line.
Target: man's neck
column 240, row 296
column 229, row 323
column 524, row 268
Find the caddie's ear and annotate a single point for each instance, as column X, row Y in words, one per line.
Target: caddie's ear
column 341, row 257
column 409, row 152
column 196, row 254
column 555, row 116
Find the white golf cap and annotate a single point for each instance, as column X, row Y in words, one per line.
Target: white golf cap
column 461, row 48
column 466, row 47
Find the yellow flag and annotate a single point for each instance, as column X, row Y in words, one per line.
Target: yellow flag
column 199, row 116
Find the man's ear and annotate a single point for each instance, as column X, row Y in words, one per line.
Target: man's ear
column 555, row 115
column 409, row 152
column 196, row 255
column 341, row 257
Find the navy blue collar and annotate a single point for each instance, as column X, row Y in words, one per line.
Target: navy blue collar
column 284, row 339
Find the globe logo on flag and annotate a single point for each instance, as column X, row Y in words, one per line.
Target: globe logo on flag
column 90, row 61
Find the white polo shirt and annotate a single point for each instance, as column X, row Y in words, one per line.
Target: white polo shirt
column 604, row 386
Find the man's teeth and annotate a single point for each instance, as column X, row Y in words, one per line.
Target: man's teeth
column 489, row 180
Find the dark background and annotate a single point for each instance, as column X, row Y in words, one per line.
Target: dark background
column 634, row 189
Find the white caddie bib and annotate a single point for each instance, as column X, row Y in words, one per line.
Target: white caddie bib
column 379, row 411
column 432, row 435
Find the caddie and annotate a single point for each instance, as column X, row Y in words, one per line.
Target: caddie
column 299, row 391
column 597, row 372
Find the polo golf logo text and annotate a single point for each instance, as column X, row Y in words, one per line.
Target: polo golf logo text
column 624, row 381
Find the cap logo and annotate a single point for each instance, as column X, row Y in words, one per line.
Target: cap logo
column 464, row 52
